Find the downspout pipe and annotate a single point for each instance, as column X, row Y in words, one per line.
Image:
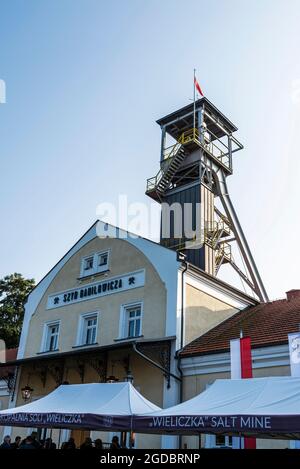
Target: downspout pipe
column 181, row 257
column 152, row 362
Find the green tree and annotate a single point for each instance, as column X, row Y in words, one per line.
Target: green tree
column 14, row 290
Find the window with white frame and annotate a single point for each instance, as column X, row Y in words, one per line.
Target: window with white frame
column 51, row 337
column 88, row 325
column 95, row 263
column 88, row 264
column 132, row 320
column 103, row 260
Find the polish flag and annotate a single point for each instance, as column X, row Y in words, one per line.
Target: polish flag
column 241, row 367
column 197, row 86
column 240, row 358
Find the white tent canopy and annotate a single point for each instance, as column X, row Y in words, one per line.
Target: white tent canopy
column 98, row 406
column 264, row 407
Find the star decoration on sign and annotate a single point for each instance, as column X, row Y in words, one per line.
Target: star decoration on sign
column 131, row 280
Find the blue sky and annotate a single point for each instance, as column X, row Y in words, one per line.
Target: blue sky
column 86, row 81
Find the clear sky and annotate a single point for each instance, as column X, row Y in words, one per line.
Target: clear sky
column 86, row 80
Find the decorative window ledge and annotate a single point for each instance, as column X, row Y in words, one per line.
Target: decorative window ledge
column 49, row 352
column 85, row 345
column 93, row 275
column 128, row 339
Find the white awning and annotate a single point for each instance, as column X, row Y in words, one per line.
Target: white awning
column 264, row 407
column 106, row 406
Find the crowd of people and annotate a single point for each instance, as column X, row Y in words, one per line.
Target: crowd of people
column 32, row 442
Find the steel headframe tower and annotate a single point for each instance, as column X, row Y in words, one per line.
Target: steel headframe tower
column 196, row 157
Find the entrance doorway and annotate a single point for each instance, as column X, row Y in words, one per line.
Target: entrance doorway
column 79, row 436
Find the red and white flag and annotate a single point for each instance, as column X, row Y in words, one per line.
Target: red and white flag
column 197, row 86
column 241, row 367
column 240, row 358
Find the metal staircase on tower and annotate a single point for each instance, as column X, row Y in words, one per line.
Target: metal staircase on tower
column 163, row 178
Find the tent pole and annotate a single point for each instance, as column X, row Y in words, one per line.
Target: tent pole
column 130, row 433
column 59, row 437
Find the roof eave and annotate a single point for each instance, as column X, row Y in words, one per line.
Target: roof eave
column 169, row 117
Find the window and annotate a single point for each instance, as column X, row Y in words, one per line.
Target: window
column 51, row 337
column 90, row 330
column 94, row 264
column 103, row 259
column 88, row 263
column 134, row 321
column 87, row 329
column 131, row 321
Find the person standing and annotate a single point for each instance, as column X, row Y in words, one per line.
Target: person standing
column 28, row 443
column 70, row 444
column 35, row 441
column 49, row 444
column 88, row 444
column 115, row 443
column 16, row 443
column 98, row 444
column 6, row 443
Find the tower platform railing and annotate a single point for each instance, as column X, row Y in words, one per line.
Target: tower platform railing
column 206, row 139
column 180, row 244
column 224, row 255
column 212, row 145
column 214, row 231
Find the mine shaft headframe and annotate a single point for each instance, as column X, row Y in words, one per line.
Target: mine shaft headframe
column 203, row 127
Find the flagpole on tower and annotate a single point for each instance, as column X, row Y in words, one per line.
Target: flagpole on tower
column 194, row 82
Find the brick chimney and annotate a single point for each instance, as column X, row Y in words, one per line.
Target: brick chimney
column 292, row 294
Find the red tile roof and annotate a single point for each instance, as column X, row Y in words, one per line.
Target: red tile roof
column 266, row 324
column 11, row 355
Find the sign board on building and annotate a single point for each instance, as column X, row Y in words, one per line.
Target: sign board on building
column 97, row 289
